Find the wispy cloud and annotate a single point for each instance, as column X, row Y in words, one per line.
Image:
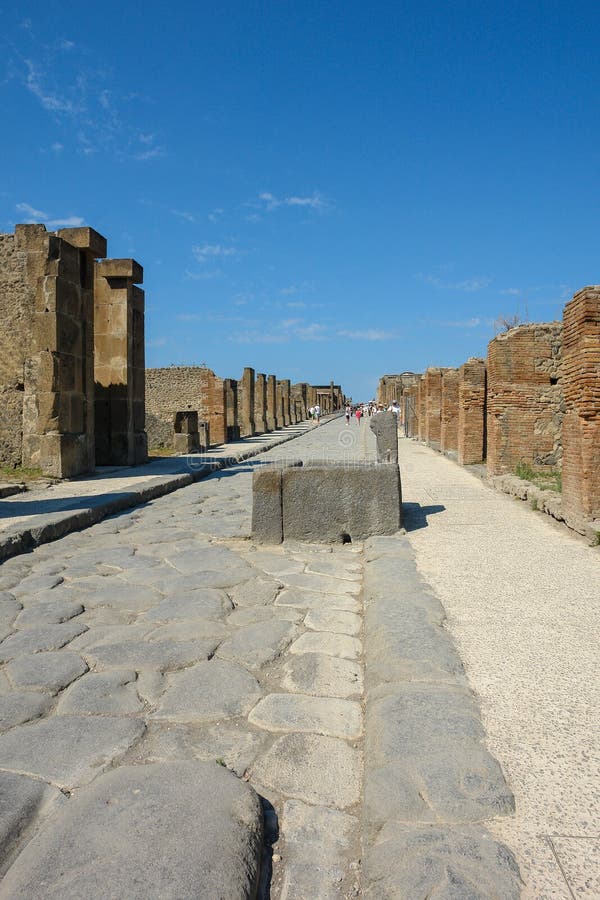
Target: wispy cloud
column 183, row 214
column 284, row 332
column 33, row 216
column 476, row 283
column 204, row 252
column 203, row 276
column 474, row 322
column 270, row 202
column 368, row 334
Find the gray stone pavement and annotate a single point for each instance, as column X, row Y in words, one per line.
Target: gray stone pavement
column 521, row 594
column 163, row 641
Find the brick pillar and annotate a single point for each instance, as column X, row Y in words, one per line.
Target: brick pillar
column 230, row 386
column 433, row 406
column 449, row 411
column 260, row 403
column 420, row 431
column 581, row 425
column 524, row 398
column 119, row 370
column 272, row 422
column 212, row 391
column 472, row 412
column 246, row 396
column 58, row 387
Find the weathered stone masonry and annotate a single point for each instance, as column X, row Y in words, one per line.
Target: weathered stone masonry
column 449, row 411
column 183, row 388
column 472, row 434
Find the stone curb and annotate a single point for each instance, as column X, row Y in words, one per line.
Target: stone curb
column 27, row 537
column 429, row 782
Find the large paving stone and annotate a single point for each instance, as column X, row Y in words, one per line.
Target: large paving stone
column 255, row 592
column 276, row 564
column 109, row 634
column 322, row 675
column 208, row 692
column 206, row 603
column 418, row 862
column 23, row 802
column 320, row 844
column 46, row 671
column 50, row 613
column 35, row 640
column 34, row 584
column 312, row 600
column 130, row 597
column 18, row 707
column 298, row 712
column 225, row 742
column 425, row 760
column 337, row 621
column 169, row 831
column 68, row 750
column 313, row 768
column 324, row 584
column 251, row 615
column 161, row 656
column 331, row 644
column 9, row 609
column 255, row 645
column 102, row 694
column 190, row 630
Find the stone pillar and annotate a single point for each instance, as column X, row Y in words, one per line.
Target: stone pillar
column 260, row 403
column 472, row 412
column 433, row 406
column 524, row 398
column 449, row 411
column 58, row 396
column 285, row 401
column 119, row 369
column 230, row 387
column 420, row 407
column 246, row 398
column 581, row 425
column 186, row 438
column 272, row 421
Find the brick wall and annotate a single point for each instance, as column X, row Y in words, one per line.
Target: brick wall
column 472, row 412
column 581, row 426
column 433, row 406
column 178, row 388
column 525, row 403
column 449, row 410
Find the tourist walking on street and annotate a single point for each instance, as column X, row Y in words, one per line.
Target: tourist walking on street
column 358, row 415
column 348, row 414
column 317, row 413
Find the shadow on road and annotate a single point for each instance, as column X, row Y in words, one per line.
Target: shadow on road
column 414, row 516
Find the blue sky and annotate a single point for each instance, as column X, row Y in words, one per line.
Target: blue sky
column 317, row 189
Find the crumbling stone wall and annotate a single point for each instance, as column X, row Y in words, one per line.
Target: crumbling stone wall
column 581, row 425
column 525, row 403
column 449, row 410
column 178, row 388
column 472, row 429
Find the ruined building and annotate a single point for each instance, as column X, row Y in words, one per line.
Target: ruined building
column 71, row 353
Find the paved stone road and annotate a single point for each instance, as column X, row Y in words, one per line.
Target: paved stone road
column 165, row 634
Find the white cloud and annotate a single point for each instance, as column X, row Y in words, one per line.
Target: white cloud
column 203, row 276
column 477, row 283
column 368, row 334
column 51, row 101
column 36, row 215
column 257, row 337
column 511, row 292
column 271, row 202
column 183, row 214
column 211, row 251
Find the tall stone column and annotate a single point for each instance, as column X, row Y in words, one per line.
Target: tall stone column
column 433, row 406
column 119, row 363
column 285, row 401
column 246, row 397
column 581, row 425
column 272, row 420
column 230, row 386
column 260, row 403
column 472, row 412
column 421, row 408
column 58, row 394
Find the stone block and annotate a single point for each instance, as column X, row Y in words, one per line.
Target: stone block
column 186, row 443
column 385, row 428
column 267, row 518
column 336, row 502
column 121, row 268
column 85, row 239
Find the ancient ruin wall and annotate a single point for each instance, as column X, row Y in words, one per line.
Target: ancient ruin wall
column 178, row 388
column 525, row 404
column 449, row 411
column 433, row 406
column 581, row 425
column 260, row 403
column 247, row 399
column 472, row 412
column 17, row 301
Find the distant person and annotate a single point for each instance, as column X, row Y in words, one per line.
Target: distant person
column 358, row 414
column 317, row 414
column 348, row 414
column 311, row 412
